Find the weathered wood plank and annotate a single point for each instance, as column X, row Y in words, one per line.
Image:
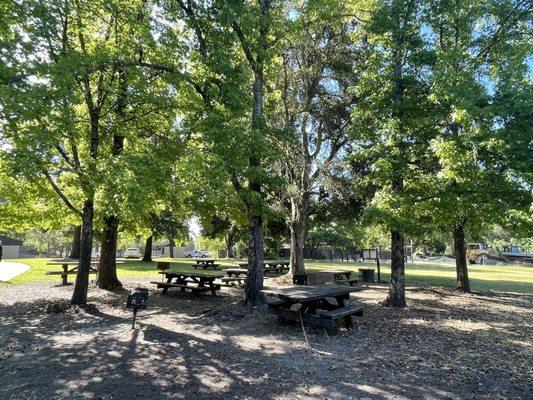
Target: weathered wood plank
column 303, row 294
column 350, row 309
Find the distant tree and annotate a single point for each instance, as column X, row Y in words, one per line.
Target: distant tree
column 167, row 225
column 320, row 62
column 225, row 228
column 480, row 152
column 51, row 243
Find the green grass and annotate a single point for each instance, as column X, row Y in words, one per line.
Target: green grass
column 491, row 277
column 516, row 278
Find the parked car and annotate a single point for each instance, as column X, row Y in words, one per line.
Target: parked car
column 132, row 252
column 195, row 254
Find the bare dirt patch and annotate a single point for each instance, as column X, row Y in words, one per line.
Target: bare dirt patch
column 444, row 346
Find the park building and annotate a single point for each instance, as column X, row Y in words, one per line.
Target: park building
column 11, row 247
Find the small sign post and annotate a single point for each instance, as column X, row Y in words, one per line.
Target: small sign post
column 136, row 301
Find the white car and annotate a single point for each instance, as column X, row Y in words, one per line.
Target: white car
column 194, row 254
column 132, row 252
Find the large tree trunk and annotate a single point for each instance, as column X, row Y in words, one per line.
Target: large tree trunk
column 75, row 248
column 254, row 282
column 79, row 295
column 107, row 268
column 396, row 297
column 298, row 229
column 463, row 282
column 147, row 257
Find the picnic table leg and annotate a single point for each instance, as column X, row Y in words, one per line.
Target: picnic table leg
column 181, row 281
column 65, row 274
column 212, row 286
column 165, row 289
column 348, row 319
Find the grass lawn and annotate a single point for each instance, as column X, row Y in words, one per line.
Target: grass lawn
column 491, row 277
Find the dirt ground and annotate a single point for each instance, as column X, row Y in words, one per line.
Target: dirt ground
column 444, row 346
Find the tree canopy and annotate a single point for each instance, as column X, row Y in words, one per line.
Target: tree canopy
column 310, row 122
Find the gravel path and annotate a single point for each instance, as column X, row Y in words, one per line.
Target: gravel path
column 444, row 346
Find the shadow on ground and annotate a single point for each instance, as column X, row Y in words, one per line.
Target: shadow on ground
column 444, row 346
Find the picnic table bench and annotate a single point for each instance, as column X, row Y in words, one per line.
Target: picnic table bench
column 65, row 272
column 235, row 276
column 342, row 276
column 276, row 266
column 271, row 267
column 320, row 305
column 195, row 282
column 325, row 276
column 206, row 263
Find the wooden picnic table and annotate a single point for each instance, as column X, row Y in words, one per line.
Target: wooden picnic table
column 206, row 263
column 341, row 276
column 315, row 304
column 93, row 269
column 236, row 271
column 235, row 276
column 271, row 266
column 278, row 266
column 338, row 273
column 193, row 281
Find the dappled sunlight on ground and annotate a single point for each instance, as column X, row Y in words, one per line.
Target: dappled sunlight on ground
column 444, row 345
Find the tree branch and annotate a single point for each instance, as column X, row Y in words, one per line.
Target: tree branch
column 61, row 194
column 244, row 44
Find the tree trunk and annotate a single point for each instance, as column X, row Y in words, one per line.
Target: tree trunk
column 378, row 264
column 463, row 282
column 107, row 268
column 396, row 296
column 230, row 242
column 75, row 248
column 171, row 248
column 254, row 282
column 79, row 295
column 297, row 227
column 147, row 257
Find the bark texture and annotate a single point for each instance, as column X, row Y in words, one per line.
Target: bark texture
column 396, row 297
column 147, row 257
column 298, row 229
column 79, row 295
column 75, row 248
column 461, row 265
column 254, row 282
column 107, row 267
